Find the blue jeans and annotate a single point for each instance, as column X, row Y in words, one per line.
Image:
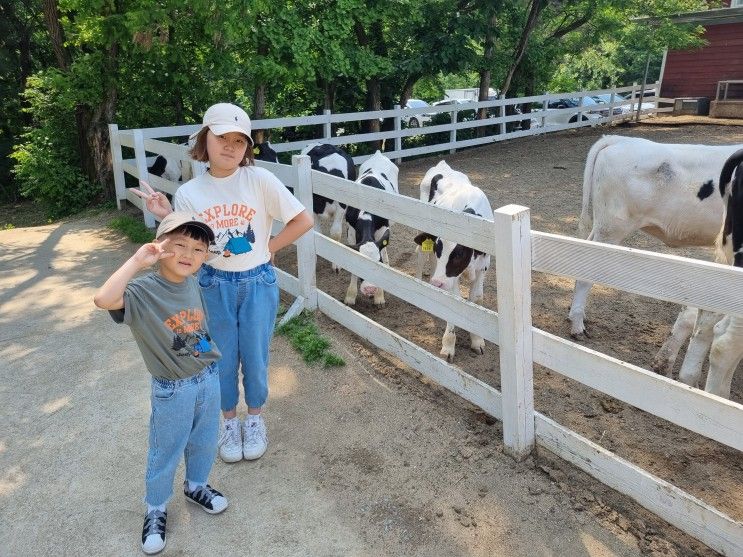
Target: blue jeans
column 184, row 421
column 242, row 310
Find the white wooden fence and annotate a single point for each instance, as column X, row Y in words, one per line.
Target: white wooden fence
column 518, row 250
column 148, row 140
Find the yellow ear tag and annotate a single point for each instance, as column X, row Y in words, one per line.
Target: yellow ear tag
column 256, row 151
column 427, row 246
column 384, row 243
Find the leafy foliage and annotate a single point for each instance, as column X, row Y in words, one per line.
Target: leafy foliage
column 143, row 64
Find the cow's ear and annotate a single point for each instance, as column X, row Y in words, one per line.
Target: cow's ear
column 384, row 240
column 422, row 237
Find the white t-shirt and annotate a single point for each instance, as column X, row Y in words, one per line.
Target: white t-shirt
column 240, row 208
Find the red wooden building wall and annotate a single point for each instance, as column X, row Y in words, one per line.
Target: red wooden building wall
column 695, row 73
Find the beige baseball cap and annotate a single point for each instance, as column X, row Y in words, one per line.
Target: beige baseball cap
column 179, row 218
column 223, row 118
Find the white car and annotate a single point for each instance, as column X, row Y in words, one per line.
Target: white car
column 556, row 115
column 464, row 113
column 419, row 119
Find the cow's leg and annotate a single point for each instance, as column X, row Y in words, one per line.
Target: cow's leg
column 696, row 353
column 583, row 288
column 379, row 293
column 449, row 339
column 666, row 357
column 420, row 262
column 336, row 229
column 726, row 353
column 477, row 343
column 352, row 292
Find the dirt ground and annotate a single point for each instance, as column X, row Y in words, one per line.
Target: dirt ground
column 545, row 174
column 368, row 459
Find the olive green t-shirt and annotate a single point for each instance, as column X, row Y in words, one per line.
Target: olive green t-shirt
column 168, row 321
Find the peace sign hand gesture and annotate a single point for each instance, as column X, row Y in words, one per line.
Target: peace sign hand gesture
column 149, row 254
column 156, row 202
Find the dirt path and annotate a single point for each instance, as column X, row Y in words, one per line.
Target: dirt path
column 363, row 460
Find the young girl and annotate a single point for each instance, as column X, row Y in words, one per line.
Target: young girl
column 239, row 201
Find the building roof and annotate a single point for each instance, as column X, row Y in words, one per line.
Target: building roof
column 706, row 17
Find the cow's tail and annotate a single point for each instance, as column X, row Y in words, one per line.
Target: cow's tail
column 584, row 224
column 727, row 170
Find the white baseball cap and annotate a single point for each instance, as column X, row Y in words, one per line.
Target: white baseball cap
column 179, row 218
column 223, row 118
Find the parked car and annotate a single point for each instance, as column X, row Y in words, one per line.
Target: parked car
column 419, row 119
column 605, row 98
column 463, row 114
column 556, row 115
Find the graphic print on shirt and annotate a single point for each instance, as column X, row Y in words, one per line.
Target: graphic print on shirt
column 189, row 337
column 232, row 229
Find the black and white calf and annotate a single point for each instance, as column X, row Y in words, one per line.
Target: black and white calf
column 436, row 180
column 721, row 337
column 368, row 233
column 454, row 191
column 336, row 162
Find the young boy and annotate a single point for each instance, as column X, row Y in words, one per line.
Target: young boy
column 165, row 312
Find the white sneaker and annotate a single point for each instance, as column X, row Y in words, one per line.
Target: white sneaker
column 255, row 438
column 230, row 442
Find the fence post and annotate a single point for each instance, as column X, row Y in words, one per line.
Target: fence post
column 327, row 127
column 453, row 132
column 142, row 173
column 502, row 113
column 306, row 257
column 632, row 96
column 116, row 164
column 611, row 106
column 513, row 278
column 398, row 129
column 545, row 106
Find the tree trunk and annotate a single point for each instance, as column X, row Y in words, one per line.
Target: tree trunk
column 98, row 164
column 485, row 72
column 531, row 23
column 259, row 110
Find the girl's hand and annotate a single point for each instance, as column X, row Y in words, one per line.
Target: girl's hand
column 149, row 254
column 156, row 202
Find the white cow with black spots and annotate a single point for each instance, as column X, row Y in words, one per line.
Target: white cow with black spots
column 367, row 233
column 636, row 184
column 450, row 189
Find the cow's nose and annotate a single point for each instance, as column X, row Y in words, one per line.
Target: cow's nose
column 438, row 283
column 369, row 290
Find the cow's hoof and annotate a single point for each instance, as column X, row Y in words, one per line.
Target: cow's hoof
column 661, row 366
column 479, row 350
column 350, row 301
column 379, row 305
column 580, row 337
column 448, row 355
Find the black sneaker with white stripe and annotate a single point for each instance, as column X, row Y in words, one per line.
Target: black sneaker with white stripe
column 206, row 497
column 153, row 532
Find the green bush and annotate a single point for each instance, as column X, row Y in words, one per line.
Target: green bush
column 47, row 164
column 132, row 228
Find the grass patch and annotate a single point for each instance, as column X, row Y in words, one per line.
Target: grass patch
column 305, row 337
column 132, row 228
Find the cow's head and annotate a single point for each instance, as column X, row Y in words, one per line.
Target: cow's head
column 451, row 259
column 264, row 152
column 372, row 247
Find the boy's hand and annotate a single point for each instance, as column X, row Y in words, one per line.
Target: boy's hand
column 149, row 254
column 156, row 202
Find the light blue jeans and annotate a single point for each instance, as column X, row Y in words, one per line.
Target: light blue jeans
column 242, row 309
column 184, row 421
